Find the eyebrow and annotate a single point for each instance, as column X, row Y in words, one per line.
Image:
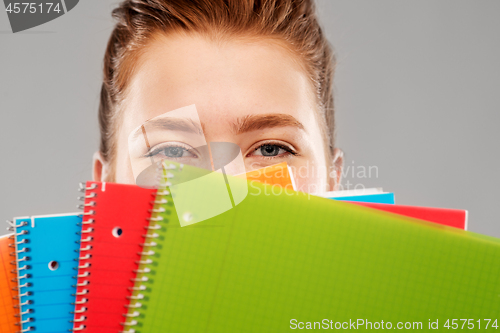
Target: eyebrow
column 171, row 124
column 262, row 121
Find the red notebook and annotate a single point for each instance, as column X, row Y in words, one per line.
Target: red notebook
column 451, row 217
column 115, row 220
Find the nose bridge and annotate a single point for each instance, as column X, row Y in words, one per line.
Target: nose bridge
column 227, row 156
column 220, row 137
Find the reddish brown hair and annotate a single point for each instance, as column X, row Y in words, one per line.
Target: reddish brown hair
column 291, row 21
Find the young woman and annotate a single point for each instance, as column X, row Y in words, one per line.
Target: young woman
column 259, row 73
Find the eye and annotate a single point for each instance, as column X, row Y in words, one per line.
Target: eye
column 272, row 150
column 175, row 152
column 171, row 151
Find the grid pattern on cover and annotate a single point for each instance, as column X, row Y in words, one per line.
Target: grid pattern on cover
column 277, row 257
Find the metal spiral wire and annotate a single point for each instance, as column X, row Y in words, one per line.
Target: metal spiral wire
column 22, row 267
column 84, row 257
column 155, row 220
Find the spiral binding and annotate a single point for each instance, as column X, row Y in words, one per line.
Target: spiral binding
column 19, row 270
column 85, row 257
column 163, row 197
column 12, row 245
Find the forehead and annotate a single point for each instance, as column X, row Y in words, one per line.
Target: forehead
column 224, row 79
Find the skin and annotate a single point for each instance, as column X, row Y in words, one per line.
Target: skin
column 237, row 86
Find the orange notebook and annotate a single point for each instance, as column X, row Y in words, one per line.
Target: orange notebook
column 277, row 174
column 9, row 310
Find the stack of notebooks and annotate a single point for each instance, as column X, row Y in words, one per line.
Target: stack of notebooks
column 261, row 260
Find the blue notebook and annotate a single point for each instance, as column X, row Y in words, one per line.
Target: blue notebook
column 385, row 198
column 47, row 258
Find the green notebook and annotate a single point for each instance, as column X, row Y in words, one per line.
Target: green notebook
column 282, row 261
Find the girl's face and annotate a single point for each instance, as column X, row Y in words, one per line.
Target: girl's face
column 251, row 92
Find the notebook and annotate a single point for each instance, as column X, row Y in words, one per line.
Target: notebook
column 9, row 312
column 456, row 218
column 116, row 217
column 372, row 195
column 277, row 174
column 47, row 259
column 382, row 198
column 351, row 193
column 274, row 263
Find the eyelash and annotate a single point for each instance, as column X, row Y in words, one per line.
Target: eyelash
column 159, row 148
column 289, row 151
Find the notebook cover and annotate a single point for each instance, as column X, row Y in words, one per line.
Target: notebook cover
column 350, row 193
column 8, row 286
column 276, row 260
column 277, row 174
column 456, row 218
column 47, row 259
column 115, row 220
column 383, row 198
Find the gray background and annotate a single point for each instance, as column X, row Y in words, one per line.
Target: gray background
column 417, row 97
